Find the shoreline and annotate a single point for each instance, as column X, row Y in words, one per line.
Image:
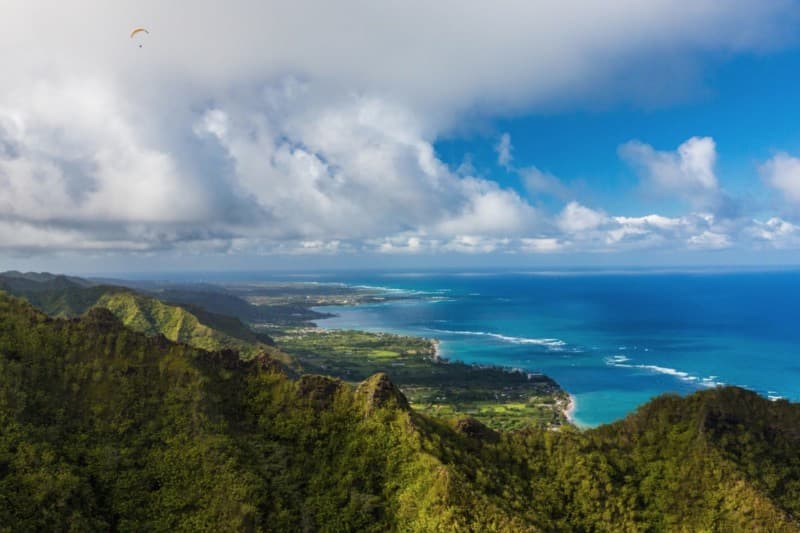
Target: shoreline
column 438, row 357
column 437, row 350
column 569, row 412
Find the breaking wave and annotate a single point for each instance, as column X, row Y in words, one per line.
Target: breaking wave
column 624, row 362
column 553, row 344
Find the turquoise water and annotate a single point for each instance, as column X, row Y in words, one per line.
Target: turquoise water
column 612, row 340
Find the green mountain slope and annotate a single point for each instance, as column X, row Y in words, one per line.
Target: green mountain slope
column 214, row 299
column 215, row 332
column 103, row 428
column 44, row 277
column 62, row 296
column 56, row 295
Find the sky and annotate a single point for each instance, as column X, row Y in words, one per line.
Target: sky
column 408, row 134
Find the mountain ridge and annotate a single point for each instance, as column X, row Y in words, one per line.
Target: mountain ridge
column 107, row 428
column 65, row 296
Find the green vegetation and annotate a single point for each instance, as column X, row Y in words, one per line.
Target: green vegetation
column 103, row 428
column 56, row 295
column 62, row 296
column 276, row 313
column 152, row 317
column 271, row 306
column 499, row 398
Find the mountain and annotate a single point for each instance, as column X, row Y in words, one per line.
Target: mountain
column 62, row 296
column 57, row 295
column 44, row 277
column 215, row 299
column 193, row 326
column 105, row 428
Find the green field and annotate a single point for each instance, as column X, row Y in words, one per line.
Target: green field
column 499, row 398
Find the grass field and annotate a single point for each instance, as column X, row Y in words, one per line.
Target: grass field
column 499, row 398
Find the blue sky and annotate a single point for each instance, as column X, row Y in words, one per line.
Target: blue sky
column 551, row 133
column 747, row 103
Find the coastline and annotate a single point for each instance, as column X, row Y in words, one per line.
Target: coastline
column 569, row 412
column 437, row 349
column 503, row 404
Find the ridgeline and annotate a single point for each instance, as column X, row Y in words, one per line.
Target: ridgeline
column 106, row 428
column 63, row 296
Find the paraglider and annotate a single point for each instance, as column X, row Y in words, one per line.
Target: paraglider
column 140, row 32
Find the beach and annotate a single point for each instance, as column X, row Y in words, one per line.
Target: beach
column 569, row 412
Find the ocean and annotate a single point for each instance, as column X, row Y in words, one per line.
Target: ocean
column 613, row 340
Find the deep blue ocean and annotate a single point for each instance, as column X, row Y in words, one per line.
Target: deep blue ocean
column 611, row 339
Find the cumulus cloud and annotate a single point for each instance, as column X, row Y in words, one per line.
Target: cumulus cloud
column 710, row 240
column 74, row 154
column 687, row 172
column 776, row 233
column 576, row 218
column 782, row 172
column 359, row 169
column 503, row 150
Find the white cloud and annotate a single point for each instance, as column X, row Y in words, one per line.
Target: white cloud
column 576, row 218
column 776, row 233
column 358, row 170
column 490, row 210
column 538, row 182
column 74, row 155
column 710, row 240
column 591, row 230
column 654, row 229
column 541, row 245
column 475, row 244
column 450, row 55
column 503, row 150
column 687, row 172
column 29, row 238
column 782, row 172
column 311, row 126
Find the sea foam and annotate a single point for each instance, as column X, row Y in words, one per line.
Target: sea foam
column 624, row 362
column 553, row 344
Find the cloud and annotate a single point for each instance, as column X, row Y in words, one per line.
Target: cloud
column 75, row 156
column 484, row 57
column 538, row 182
column 576, row 218
column 358, row 169
column 687, row 172
column 311, row 126
column 671, row 232
column 503, row 150
column 490, row 211
column 587, row 229
column 775, row 233
column 710, row 240
column 782, row 172
column 541, row 245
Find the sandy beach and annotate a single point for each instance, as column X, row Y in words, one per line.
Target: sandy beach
column 570, row 410
column 437, row 350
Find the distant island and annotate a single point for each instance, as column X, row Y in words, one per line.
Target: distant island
column 148, row 408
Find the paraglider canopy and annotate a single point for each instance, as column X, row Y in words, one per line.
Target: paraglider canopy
column 140, row 32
